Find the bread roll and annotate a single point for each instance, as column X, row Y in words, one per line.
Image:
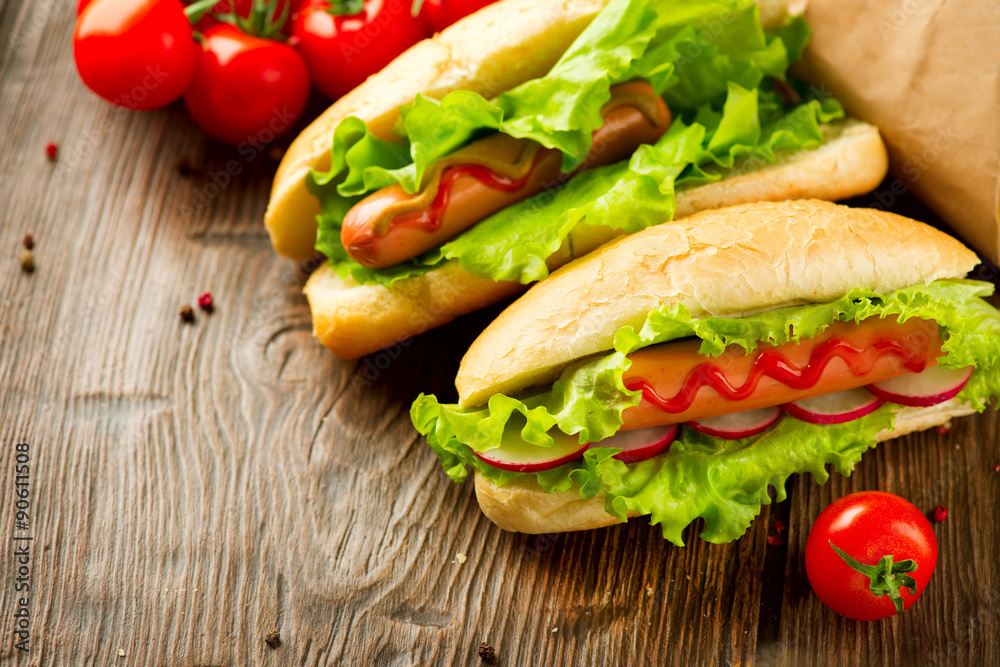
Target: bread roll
column 522, row 506
column 353, row 320
column 728, row 262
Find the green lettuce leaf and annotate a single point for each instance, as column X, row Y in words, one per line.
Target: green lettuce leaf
column 722, row 482
column 726, row 482
column 515, row 243
column 709, row 59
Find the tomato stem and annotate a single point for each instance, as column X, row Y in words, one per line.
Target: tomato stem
column 197, row 10
column 346, row 7
column 886, row 577
column 263, row 20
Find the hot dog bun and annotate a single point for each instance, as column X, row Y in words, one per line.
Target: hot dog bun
column 522, row 506
column 353, row 320
column 489, row 52
column 729, row 262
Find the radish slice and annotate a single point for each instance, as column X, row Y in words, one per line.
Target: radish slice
column 932, row 386
column 519, row 456
column 835, row 408
column 640, row 444
column 738, row 424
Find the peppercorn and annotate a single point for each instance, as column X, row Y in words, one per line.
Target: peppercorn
column 187, row 314
column 205, row 302
column 52, row 150
column 28, row 241
column 487, row 652
column 940, row 513
column 27, row 260
column 777, row 532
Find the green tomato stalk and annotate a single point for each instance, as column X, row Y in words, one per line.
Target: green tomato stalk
column 886, row 577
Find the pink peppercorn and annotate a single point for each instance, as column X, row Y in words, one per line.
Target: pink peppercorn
column 205, row 302
column 779, row 530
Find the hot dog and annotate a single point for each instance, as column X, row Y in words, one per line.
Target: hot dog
column 679, row 385
column 390, row 227
column 783, row 312
column 403, row 261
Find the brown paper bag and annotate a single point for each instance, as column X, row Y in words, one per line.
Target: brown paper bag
column 927, row 72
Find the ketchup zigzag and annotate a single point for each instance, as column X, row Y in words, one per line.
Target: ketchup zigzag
column 776, row 366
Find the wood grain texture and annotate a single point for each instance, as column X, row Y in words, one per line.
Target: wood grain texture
column 197, row 487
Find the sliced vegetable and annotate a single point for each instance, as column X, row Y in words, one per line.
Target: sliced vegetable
column 930, row 387
column 835, row 408
column 738, row 424
column 642, row 443
column 516, row 455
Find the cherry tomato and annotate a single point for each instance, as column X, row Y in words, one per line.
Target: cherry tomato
column 246, row 89
column 869, row 526
column 343, row 51
column 138, row 54
column 439, row 14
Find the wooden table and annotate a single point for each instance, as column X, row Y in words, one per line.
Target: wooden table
column 197, row 487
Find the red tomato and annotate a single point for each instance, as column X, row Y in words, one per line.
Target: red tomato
column 137, row 54
column 868, row 526
column 246, row 89
column 439, row 14
column 343, row 51
column 81, row 5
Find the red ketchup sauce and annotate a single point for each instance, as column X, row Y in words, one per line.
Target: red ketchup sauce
column 776, row 366
column 429, row 219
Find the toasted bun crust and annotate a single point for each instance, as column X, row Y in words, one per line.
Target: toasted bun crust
column 728, row 262
column 522, row 506
column 853, row 161
column 354, row 320
column 493, row 50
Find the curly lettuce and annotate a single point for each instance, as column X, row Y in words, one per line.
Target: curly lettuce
column 710, row 60
column 723, row 482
